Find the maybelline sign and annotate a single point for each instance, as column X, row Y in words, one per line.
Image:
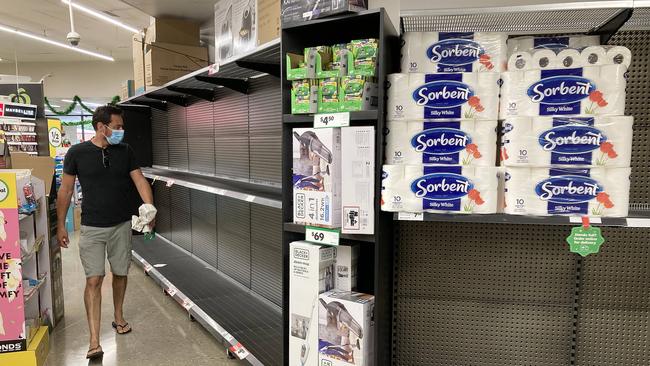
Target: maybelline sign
column 19, row 111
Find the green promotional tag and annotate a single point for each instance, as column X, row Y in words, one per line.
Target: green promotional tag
column 585, row 241
column 150, row 235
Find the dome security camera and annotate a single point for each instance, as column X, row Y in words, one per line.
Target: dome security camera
column 74, row 38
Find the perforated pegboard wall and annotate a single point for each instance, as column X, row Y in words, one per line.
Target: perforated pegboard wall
column 481, row 294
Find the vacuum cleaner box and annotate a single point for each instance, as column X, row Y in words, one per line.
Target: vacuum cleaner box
column 345, row 329
column 317, row 176
column 311, row 272
column 345, row 269
column 294, row 11
column 358, row 182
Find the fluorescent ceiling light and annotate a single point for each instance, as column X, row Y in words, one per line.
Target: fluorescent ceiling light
column 86, row 103
column 54, row 43
column 101, row 16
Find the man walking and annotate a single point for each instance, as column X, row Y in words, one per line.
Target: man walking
column 106, row 168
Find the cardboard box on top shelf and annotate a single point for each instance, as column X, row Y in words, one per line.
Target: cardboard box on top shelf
column 138, row 65
column 174, row 30
column 294, row 11
column 242, row 25
column 42, row 167
column 127, row 90
column 165, row 62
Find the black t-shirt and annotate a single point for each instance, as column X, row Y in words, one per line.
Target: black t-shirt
column 106, row 190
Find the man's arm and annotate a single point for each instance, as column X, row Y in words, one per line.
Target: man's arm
column 141, row 183
column 62, row 205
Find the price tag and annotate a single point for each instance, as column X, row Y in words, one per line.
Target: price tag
column 585, row 240
column 172, row 291
column 321, row 235
column 187, row 304
column 213, row 69
column 250, row 198
column 227, row 336
column 170, row 183
column 410, row 216
column 328, row 120
column 147, row 268
column 239, row 350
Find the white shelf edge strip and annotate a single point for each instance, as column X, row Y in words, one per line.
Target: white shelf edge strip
column 522, row 8
column 218, row 191
column 194, row 310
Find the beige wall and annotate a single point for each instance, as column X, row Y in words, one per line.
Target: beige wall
column 99, row 79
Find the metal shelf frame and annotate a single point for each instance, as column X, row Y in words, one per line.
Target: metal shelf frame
column 633, row 221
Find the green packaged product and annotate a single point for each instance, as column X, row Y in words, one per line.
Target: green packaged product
column 319, row 62
column 364, row 52
column 341, row 58
column 357, row 93
column 296, row 67
column 328, row 95
column 301, row 97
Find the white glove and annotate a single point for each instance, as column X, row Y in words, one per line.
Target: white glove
column 147, row 214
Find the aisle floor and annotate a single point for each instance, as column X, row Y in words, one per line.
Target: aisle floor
column 162, row 332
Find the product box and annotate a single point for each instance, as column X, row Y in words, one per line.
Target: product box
column 296, row 67
column 364, row 52
column 346, row 329
column 304, row 96
column 317, row 176
column 268, row 20
column 223, row 30
column 311, row 272
column 294, row 11
column 173, row 30
column 328, row 95
column 165, row 62
column 138, row 65
column 319, row 62
column 357, row 93
column 358, row 182
column 345, row 269
column 127, row 90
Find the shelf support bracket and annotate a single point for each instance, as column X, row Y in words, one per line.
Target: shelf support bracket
column 265, row 67
column 174, row 99
column 607, row 30
column 238, row 85
column 205, row 94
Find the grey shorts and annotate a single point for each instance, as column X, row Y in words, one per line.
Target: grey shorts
column 96, row 243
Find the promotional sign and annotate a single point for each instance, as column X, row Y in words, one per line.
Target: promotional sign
column 585, row 240
column 12, row 315
column 18, row 111
column 54, row 136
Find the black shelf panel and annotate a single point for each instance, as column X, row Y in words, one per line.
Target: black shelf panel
column 635, row 220
column 296, row 228
column 308, row 118
column 266, row 195
column 253, row 322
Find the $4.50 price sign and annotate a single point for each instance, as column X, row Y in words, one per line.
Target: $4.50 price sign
column 321, row 235
column 325, row 120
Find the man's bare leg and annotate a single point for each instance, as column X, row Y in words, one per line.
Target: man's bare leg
column 93, row 302
column 119, row 290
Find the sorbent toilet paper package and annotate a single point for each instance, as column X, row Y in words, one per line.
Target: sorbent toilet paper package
column 593, row 90
column 528, row 43
column 433, row 52
column 585, row 141
column 450, row 142
column 542, row 59
column 441, row 189
column 567, row 191
column 443, row 96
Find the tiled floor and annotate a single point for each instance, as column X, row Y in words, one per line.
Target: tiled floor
column 162, row 332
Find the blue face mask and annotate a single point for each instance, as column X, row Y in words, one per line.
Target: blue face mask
column 115, row 137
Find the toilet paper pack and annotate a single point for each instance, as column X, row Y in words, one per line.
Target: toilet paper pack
column 450, row 142
column 585, row 141
column 593, row 90
column 443, row 96
column 317, row 176
column 528, row 43
column 567, row 191
column 433, row 52
column 443, row 189
column 569, row 58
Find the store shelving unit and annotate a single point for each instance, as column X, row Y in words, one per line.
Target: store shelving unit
column 375, row 259
column 216, row 180
column 501, row 289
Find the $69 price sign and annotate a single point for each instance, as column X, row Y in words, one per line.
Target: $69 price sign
column 325, row 120
column 321, row 235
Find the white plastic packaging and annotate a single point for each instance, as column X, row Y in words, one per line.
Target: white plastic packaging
column 528, row 43
column 451, row 142
column 433, row 52
column 583, row 141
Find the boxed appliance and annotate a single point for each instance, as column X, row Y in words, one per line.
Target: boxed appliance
column 172, row 30
column 358, row 182
column 294, row 11
column 242, row 25
column 346, row 329
column 317, row 176
column 311, row 272
column 165, row 62
column 345, row 270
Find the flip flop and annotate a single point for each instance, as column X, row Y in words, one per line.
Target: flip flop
column 95, row 355
column 116, row 326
